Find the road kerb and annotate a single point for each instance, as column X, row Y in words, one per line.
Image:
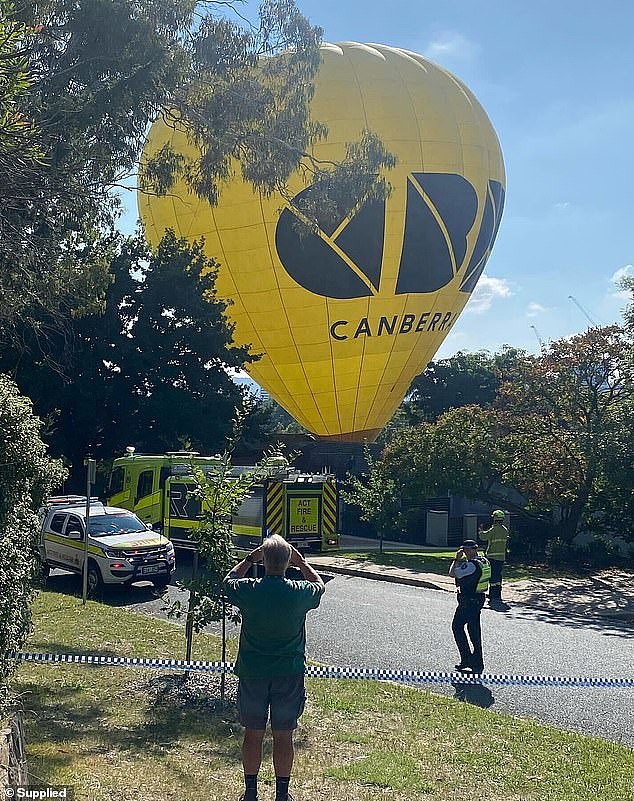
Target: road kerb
column 395, row 576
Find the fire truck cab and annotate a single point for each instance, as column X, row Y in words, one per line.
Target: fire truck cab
column 301, row 507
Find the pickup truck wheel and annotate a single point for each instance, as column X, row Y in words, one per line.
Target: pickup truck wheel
column 95, row 582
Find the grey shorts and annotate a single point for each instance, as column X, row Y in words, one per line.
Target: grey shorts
column 285, row 696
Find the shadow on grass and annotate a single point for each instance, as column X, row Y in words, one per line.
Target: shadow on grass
column 180, row 708
column 476, row 694
column 60, row 722
column 60, row 712
column 68, row 722
column 168, row 726
column 114, row 594
column 36, row 646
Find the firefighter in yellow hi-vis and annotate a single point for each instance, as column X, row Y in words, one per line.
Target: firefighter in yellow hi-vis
column 496, row 537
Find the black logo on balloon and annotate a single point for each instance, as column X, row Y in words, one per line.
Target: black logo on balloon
column 345, row 260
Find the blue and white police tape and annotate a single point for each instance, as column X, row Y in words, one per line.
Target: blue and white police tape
column 331, row 672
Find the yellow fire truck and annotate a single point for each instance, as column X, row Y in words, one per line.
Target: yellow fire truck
column 302, row 507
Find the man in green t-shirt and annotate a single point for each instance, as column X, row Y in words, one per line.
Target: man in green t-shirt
column 271, row 656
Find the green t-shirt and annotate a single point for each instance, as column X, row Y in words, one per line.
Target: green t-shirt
column 273, row 633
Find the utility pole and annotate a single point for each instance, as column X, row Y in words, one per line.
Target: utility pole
column 583, row 311
column 91, row 477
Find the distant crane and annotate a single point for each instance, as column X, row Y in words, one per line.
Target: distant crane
column 537, row 334
column 583, row 311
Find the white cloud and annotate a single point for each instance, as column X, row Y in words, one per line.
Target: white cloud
column 534, row 309
column 451, row 45
column 562, row 206
column 615, row 281
column 487, row 289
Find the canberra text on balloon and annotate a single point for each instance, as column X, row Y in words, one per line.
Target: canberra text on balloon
column 391, row 326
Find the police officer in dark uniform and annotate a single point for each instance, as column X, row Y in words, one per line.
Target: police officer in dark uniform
column 472, row 574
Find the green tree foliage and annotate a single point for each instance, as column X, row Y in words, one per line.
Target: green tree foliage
column 433, row 455
column 98, row 70
column 611, row 502
column 554, row 445
column 273, row 419
column 377, row 495
column 19, row 151
column 560, row 409
column 221, row 495
column 464, row 379
column 628, row 284
column 400, row 420
column 173, row 348
column 90, row 75
column 151, row 371
column 27, row 476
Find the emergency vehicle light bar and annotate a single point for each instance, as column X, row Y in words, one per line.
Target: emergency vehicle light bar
column 70, row 500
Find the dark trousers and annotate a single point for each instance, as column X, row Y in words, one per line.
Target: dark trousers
column 495, row 585
column 467, row 616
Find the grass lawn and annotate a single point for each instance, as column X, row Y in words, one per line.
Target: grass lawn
column 436, row 561
column 113, row 734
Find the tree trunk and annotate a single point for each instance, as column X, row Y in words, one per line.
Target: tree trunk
column 189, row 622
column 13, row 767
column 570, row 525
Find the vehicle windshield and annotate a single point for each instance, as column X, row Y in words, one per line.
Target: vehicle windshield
column 107, row 525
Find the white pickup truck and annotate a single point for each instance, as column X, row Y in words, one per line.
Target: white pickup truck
column 121, row 548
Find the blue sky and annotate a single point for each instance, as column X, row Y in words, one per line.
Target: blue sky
column 556, row 79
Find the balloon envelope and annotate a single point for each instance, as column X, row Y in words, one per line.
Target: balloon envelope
column 345, row 318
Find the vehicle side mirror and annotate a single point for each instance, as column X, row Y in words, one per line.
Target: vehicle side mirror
column 75, row 535
column 149, row 526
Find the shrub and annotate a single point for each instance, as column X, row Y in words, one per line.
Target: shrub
column 27, row 476
column 527, row 540
column 600, row 552
column 558, row 552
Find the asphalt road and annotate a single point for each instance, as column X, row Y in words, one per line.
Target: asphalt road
column 366, row 623
column 375, row 624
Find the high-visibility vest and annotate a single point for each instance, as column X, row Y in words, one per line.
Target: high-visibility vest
column 467, row 586
column 485, row 578
column 496, row 538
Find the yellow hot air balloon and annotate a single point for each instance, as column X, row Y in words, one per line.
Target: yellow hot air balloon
column 345, row 318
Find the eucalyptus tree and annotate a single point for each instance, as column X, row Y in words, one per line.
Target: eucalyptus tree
column 86, row 79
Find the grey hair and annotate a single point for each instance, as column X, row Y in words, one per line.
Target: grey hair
column 276, row 555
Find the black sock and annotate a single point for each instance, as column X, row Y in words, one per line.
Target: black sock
column 251, row 785
column 281, row 787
